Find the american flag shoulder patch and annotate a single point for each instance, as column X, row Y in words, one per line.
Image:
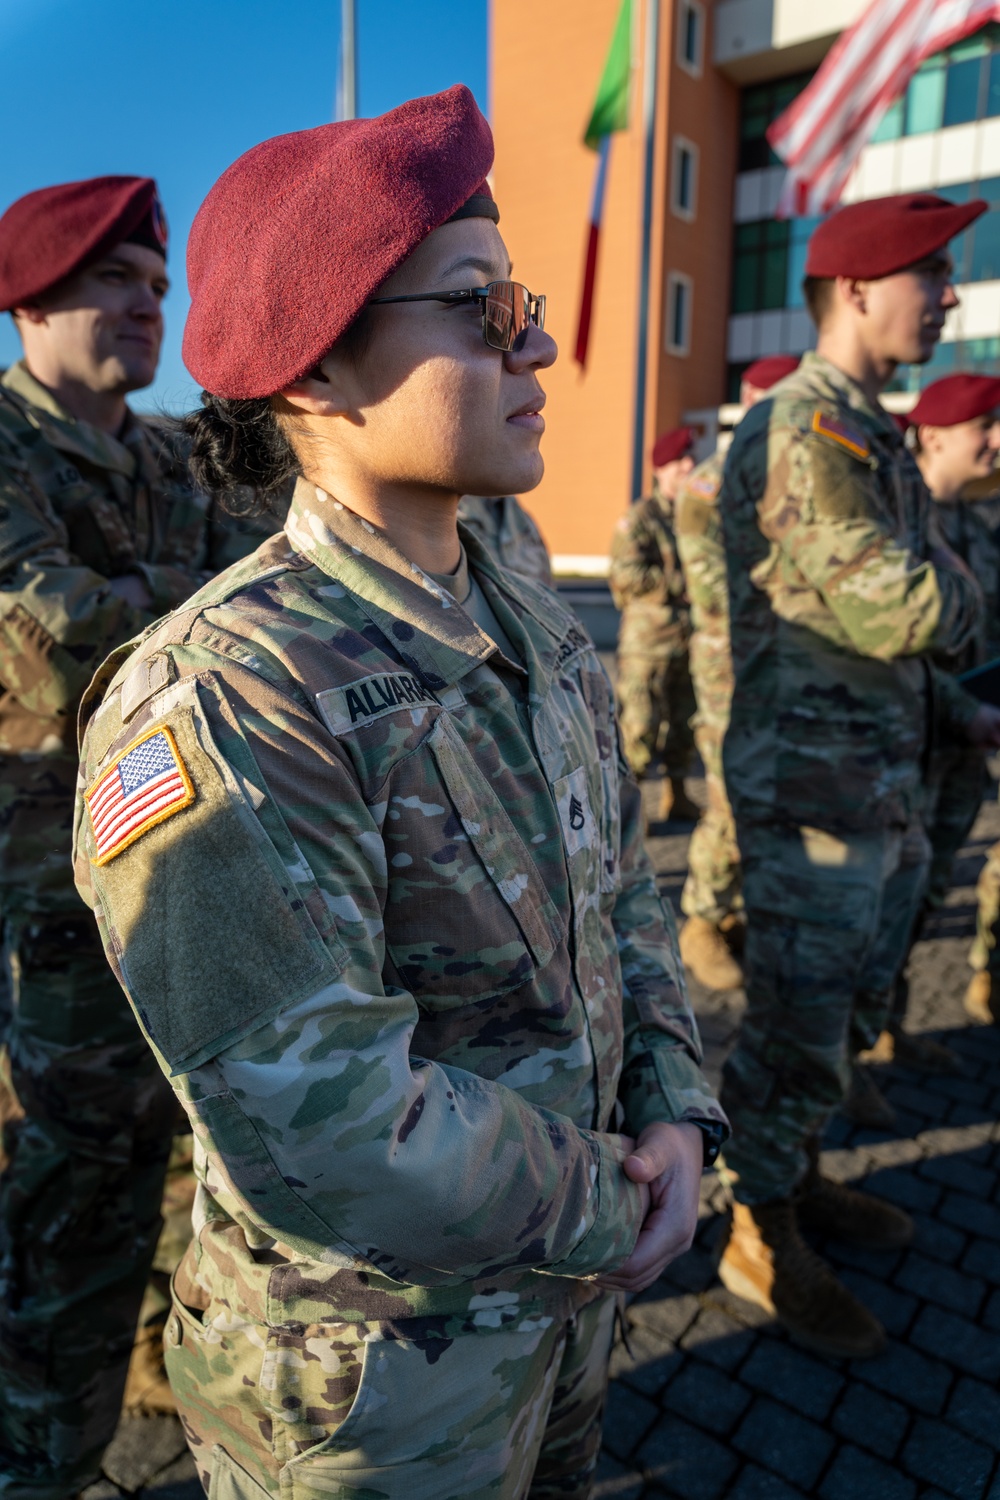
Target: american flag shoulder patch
column 147, row 784
column 839, row 432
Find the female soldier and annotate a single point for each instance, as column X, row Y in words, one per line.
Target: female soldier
column 357, row 833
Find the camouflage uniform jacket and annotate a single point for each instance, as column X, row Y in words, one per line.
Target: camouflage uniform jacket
column 835, row 610
column 401, row 950
column 971, row 528
column 505, row 528
column 77, row 508
column 647, row 582
column 698, row 529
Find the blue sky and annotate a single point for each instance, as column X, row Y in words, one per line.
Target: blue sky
column 177, row 89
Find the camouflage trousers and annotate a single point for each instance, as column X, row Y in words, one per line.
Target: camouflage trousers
column 714, row 885
column 956, row 785
column 829, row 919
column 87, row 1127
column 390, row 1411
column 655, row 706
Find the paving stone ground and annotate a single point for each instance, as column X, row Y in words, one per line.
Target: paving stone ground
column 712, row 1401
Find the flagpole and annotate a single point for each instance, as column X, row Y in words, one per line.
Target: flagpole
column 642, row 355
column 347, row 78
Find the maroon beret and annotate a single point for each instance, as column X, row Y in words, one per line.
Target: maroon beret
column 47, row 235
column 299, row 232
column 672, row 445
column 954, row 399
column 764, row 373
column 883, row 235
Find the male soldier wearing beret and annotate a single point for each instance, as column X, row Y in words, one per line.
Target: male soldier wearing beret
column 712, row 899
column 441, row 1068
column 100, row 532
column 955, row 436
column 505, row 528
column 655, row 696
column 840, row 604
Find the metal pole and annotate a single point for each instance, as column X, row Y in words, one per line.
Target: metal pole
column 347, row 79
column 648, row 125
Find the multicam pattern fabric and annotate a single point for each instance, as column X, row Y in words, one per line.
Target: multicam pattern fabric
column 505, row 528
column 394, row 1409
column 451, row 963
column 86, row 1111
column 836, row 611
column 713, row 888
column 655, row 695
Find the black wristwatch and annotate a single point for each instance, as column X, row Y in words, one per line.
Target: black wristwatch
column 712, row 1136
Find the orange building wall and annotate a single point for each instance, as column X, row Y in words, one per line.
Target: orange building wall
column 546, row 60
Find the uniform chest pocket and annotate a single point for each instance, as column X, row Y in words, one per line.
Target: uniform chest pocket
column 468, row 916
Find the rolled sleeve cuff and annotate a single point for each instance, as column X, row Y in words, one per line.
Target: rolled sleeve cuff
column 666, row 1084
column 611, row 1238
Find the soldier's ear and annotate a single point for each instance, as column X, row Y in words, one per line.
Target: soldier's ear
column 853, row 291
column 322, row 392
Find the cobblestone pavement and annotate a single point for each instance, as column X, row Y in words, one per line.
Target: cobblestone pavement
column 714, row 1402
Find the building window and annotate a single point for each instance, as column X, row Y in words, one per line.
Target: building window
column 690, row 36
column 953, row 88
column 760, row 106
column 680, row 292
column 684, row 178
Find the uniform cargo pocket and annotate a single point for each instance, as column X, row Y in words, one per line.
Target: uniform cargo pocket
column 468, row 915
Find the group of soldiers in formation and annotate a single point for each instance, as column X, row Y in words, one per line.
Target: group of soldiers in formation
column 365, row 845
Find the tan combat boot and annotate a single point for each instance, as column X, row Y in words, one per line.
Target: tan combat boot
column 830, row 1208
column 677, row 805
column 918, row 1053
column 981, row 1005
column 865, row 1103
column 768, row 1262
column 706, row 953
column 147, row 1390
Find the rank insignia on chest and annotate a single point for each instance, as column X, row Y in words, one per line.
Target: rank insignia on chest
column 851, row 438
column 145, row 785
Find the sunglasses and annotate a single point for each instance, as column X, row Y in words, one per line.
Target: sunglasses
column 509, row 310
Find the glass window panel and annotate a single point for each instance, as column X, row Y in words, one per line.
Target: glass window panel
column 746, row 271
column 890, row 127
column 748, row 235
column 984, row 262
column 961, row 251
column 794, row 274
column 956, row 192
column 679, row 316
column 776, row 232
column 774, row 277
column 925, row 101
column 971, row 46
column 989, row 189
column 992, row 103
column 961, row 97
column 691, row 35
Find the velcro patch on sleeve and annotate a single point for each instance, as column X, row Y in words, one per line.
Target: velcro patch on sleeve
column 848, row 437
column 703, row 486
column 144, row 786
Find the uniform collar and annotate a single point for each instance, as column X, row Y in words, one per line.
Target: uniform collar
column 427, row 627
column 65, row 432
column 822, row 374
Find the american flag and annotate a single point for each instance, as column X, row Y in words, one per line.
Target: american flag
column 146, row 784
column 821, row 134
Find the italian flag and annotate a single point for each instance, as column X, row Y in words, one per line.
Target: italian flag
column 610, row 113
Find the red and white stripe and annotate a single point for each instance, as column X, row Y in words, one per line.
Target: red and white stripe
column 822, row 133
column 115, row 816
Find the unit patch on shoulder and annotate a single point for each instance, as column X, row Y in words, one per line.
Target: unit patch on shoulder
column 848, row 437
column 146, row 784
column 703, row 486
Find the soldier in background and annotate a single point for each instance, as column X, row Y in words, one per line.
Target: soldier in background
column 101, row 531
column 505, row 528
column 840, row 600
column 955, row 433
column 712, row 900
column 655, row 696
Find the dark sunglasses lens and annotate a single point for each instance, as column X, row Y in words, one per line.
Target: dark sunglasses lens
column 501, row 319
